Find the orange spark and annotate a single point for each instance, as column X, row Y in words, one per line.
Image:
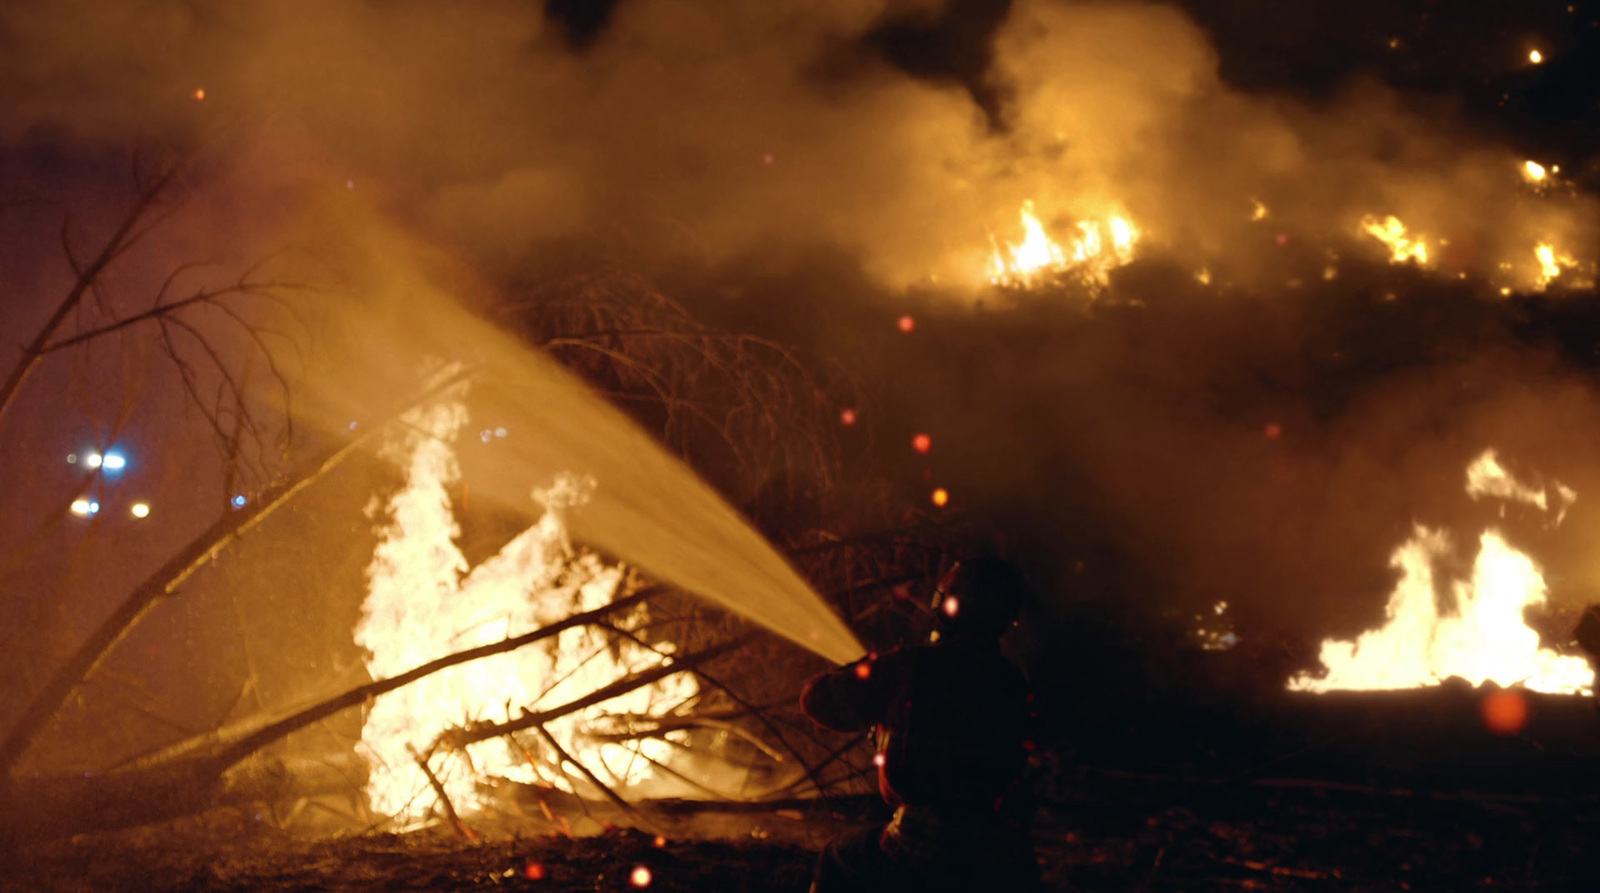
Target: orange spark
column 922, row 443
column 199, row 94
column 941, row 497
column 907, row 323
column 1505, row 712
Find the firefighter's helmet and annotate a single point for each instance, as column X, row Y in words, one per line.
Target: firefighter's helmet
column 979, row 597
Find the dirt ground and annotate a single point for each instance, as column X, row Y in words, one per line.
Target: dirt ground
column 1114, row 831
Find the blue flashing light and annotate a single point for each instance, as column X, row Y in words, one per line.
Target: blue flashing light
column 113, row 462
column 238, row 501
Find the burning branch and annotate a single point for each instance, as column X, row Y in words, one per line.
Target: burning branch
column 261, row 735
column 474, row 733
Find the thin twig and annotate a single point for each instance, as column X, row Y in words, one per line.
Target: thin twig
column 438, row 789
column 561, row 754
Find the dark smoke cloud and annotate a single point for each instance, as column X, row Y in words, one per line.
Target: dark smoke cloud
column 748, row 128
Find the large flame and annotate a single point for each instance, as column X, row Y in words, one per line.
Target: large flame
column 424, row 602
column 1484, row 639
column 1100, row 246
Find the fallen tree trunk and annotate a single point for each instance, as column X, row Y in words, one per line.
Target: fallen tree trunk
column 76, row 804
column 188, row 777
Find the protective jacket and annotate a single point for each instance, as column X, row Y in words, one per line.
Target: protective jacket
column 952, row 717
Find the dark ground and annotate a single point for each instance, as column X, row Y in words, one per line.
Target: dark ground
column 1262, row 837
column 1353, row 792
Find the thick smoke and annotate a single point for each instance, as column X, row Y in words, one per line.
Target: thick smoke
column 734, row 130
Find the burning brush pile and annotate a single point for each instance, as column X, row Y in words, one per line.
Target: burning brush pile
column 620, row 374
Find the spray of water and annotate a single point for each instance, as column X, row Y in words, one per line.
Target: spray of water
column 646, row 508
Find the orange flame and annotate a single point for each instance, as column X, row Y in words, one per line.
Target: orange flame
column 424, row 602
column 1484, row 640
column 1100, row 247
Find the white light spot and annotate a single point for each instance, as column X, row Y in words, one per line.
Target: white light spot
column 92, row 460
column 80, row 507
column 140, row 510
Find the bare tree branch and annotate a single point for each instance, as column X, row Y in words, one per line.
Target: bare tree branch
column 87, row 275
column 166, row 580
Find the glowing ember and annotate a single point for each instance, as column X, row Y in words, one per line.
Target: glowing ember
column 1535, row 56
column 1484, row 639
column 1553, row 265
column 1258, row 211
column 424, row 602
column 922, row 443
column 640, row 876
column 1547, row 263
column 1533, row 171
column 907, row 323
column 1392, row 233
column 941, row 497
column 1101, row 246
column 1505, row 712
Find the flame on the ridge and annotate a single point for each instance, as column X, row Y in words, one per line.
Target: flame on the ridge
column 424, row 603
column 1402, row 245
column 1100, row 247
column 1553, row 264
column 1533, row 172
column 1484, row 638
column 1036, row 252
